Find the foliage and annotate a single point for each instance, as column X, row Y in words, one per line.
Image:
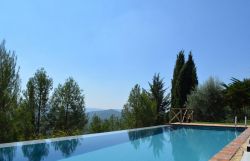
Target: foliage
column 9, row 92
column 180, row 61
column 67, row 107
column 98, row 125
column 95, row 125
column 128, row 117
column 145, row 108
column 187, row 81
column 207, row 101
column 24, row 124
column 112, row 124
column 140, row 110
column 157, row 92
column 37, row 96
column 237, row 96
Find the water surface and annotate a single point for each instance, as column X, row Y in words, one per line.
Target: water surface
column 163, row 143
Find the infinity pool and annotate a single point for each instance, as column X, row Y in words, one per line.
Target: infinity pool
column 162, row 143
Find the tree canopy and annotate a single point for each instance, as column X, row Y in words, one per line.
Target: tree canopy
column 237, row 96
column 186, row 82
column 157, row 92
column 207, row 101
column 9, row 92
column 38, row 89
column 180, row 61
column 68, row 107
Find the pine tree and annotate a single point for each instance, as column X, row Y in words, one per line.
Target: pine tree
column 95, row 125
column 68, row 107
column 157, row 91
column 131, row 110
column 187, row 81
column 140, row 110
column 180, row 61
column 38, row 89
column 9, row 92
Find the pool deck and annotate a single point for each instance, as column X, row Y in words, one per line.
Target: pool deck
column 234, row 150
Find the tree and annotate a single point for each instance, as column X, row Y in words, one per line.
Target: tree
column 9, row 92
column 148, row 111
column 208, row 101
column 130, row 112
column 113, row 123
column 128, row 119
column 23, row 121
column 157, row 92
column 186, row 82
column 180, row 61
column 37, row 96
column 68, row 107
column 27, row 125
column 95, row 125
column 140, row 109
column 237, row 95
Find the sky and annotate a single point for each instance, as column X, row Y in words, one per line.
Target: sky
column 109, row 46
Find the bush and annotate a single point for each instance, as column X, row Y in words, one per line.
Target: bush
column 207, row 101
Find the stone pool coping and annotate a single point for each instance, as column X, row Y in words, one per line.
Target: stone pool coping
column 230, row 150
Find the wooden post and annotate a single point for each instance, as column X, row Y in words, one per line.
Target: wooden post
column 181, row 115
column 245, row 121
column 235, row 121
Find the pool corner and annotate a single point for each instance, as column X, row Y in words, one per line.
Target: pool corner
column 229, row 151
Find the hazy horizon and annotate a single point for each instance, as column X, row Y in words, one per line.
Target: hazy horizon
column 109, row 46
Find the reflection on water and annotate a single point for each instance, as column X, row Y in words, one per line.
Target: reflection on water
column 36, row 152
column 154, row 137
column 138, row 137
column 66, row 147
column 7, row 154
column 181, row 144
column 206, row 142
column 157, row 143
column 39, row 152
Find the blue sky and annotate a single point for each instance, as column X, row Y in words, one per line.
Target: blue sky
column 109, row 46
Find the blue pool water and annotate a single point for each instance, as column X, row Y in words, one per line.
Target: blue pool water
column 165, row 143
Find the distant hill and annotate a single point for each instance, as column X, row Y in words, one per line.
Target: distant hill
column 104, row 114
column 90, row 109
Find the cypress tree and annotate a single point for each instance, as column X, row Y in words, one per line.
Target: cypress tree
column 180, row 61
column 186, row 82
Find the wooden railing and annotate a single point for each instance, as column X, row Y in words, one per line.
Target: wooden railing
column 181, row 114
